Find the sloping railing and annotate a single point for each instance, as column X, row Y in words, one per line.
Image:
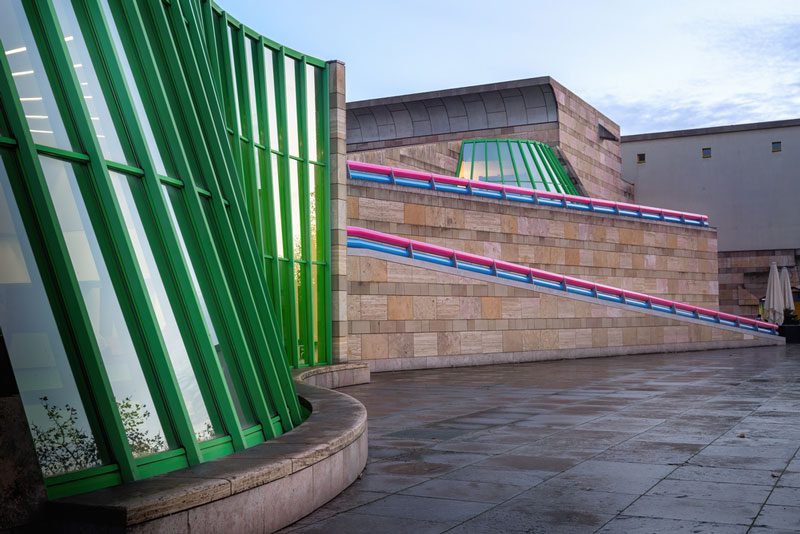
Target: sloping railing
column 418, row 250
column 450, row 184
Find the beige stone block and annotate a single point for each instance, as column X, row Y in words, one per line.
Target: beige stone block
column 401, row 345
column 374, row 307
column 354, row 307
column 381, row 210
column 374, row 346
column 492, row 341
column 566, row 339
column 512, row 340
column 400, row 308
column 448, row 343
column 425, row 344
column 471, row 342
column 424, row 307
column 566, row 308
column 491, row 307
column 414, row 214
column 354, row 347
column 448, row 307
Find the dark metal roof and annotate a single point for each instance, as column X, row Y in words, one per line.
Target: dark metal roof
column 462, row 109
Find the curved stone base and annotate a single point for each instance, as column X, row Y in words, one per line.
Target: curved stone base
column 260, row 489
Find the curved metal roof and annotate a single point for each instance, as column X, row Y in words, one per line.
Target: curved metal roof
column 456, row 110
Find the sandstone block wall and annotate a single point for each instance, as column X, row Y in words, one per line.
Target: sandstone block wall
column 405, row 317
column 669, row 260
column 596, row 161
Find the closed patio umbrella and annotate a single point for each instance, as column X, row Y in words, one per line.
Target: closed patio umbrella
column 786, row 289
column 773, row 303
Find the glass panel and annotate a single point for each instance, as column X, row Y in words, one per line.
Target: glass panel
column 466, row 162
column 90, row 86
column 235, row 387
column 125, row 188
column 505, row 159
column 544, row 169
column 130, row 389
column 519, row 162
column 56, row 416
column 527, row 153
column 277, row 214
column 314, row 110
column 147, row 129
column 255, row 130
column 479, row 165
column 296, row 199
column 293, row 133
column 492, row 163
column 300, row 312
column 27, row 70
column 232, row 38
column 316, row 192
column 317, row 293
column 272, row 108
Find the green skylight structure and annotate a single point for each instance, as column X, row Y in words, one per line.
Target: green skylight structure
column 519, row 162
column 164, row 252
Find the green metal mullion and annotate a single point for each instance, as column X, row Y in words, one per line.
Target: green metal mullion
column 305, row 213
column 249, row 172
column 326, row 234
column 460, row 158
column 499, row 160
column 231, row 75
column 67, row 303
column 522, row 147
column 251, row 287
column 267, row 189
column 179, row 290
column 562, row 174
column 110, row 228
column 286, row 202
column 554, row 176
column 210, row 266
column 532, row 152
column 472, row 163
column 249, row 273
column 513, row 163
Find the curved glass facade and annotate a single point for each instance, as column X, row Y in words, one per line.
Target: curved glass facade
column 519, row 162
column 164, row 252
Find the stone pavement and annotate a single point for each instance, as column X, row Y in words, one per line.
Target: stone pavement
column 692, row 442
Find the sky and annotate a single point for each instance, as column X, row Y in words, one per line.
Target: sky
column 649, row 66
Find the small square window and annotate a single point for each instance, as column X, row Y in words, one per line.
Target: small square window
column 776, row 146
column 640, row 158
column 707, row 152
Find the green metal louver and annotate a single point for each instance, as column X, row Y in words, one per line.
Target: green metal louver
column 164, row 252
column 519, row 162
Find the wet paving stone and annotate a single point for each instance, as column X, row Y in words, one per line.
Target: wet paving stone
column 686, row 443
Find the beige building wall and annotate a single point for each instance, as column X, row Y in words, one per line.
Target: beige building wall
column 673, row 261
column 403, row 316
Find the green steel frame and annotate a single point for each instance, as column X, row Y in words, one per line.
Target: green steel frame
column 193, row 171
column 536, row 167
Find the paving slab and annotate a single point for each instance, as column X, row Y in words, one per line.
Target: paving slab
column 693, row 442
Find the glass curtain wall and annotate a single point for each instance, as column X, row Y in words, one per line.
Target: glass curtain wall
column 519, row 162
column 275, row 106
column 137, row 297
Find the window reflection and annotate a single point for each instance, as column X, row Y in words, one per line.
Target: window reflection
column 316, row 189
column 314, row 110
column 232, row 38
column 255, row 129
column 272, row 108
column 466, row 161
column 276, row 205
column 57, row 419
column 136, row 406
column 125, row 188
column 27, row 71
column 507, row 167
column 99, row 114
column 296, row 199
column 519, row 163
column 492, row 163
column 290, row 68
column 141, row 114
column 235, row 387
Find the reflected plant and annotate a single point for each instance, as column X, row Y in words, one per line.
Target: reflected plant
column 134, row 415
column 206, row 434
column 63, row 446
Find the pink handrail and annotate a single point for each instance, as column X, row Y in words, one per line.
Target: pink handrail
column 491, row 186
column 456, row 256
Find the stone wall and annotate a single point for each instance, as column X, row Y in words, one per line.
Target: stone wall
column 673, row 261
column 743, row 277
column 403, row 316
column 596, row 161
